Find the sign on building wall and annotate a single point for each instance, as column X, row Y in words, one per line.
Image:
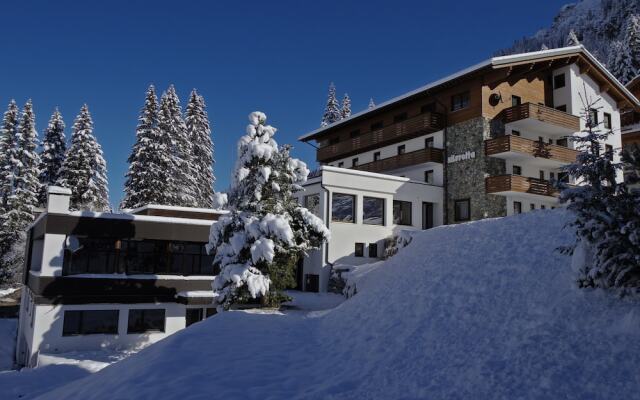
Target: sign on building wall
column 467, row 155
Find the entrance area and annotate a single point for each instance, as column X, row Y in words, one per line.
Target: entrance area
column 427, row 215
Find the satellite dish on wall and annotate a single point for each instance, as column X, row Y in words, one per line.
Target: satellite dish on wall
column 495, row 99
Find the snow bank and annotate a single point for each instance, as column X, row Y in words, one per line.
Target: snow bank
column 485, row 310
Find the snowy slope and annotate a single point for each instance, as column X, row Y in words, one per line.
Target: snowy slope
column 485, row 310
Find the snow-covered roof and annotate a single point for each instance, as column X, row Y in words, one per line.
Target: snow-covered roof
column 135, row 217
column 175, row 208
column 494, row 62
column 350, row 171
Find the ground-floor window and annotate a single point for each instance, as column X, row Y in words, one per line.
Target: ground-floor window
column 401, row 212
column 343, row 207
column 359, row 250
column 146, row 320
column 372, row 211
column 517, row 207
column 194, row 315
column 462, row 210
column 373, row 250
column 88, row 322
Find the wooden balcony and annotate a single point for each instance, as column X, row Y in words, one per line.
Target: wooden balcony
column 407, row 129
column 536, row 117
column 428, row 154
column 516, row 184
column 515, row 147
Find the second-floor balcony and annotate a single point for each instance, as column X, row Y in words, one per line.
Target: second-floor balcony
column 519, row 185
column 425, row 155
column 535, row 152
column 538, row 118
column 413, row 127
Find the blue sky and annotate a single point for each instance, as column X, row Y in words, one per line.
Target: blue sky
column 274, row 56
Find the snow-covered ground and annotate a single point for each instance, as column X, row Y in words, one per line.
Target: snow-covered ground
column 485, row 310
column 8, row 328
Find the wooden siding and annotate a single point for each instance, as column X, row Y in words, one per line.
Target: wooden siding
column 517, row 183
column 412, row 127
column 428, row 154
column 543, row 114
column 529, row 147
column 530, row 87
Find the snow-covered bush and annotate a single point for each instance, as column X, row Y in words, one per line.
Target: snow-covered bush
column 396, row 242
column 607, row 212
column 258, row 243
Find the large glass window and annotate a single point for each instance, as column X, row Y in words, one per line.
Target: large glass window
column 146, row 320
column 372, row 211
column 462, row 210
column 343, row 207
column 401, row 212
column 89, row 322
column 92, row 256
column 312, row 203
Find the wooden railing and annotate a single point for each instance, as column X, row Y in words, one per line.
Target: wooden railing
column 543, row 114
column 534, row 148
column 517, row 183
column 428, row 154
column 629, row 118
column 412, row 127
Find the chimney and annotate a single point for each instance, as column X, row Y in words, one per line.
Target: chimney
column 58, row 199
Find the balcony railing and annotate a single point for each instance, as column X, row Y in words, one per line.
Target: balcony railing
column 522, row 184
column 407, row 129
column 543, row 114
column 533, row 148
column 428, row 154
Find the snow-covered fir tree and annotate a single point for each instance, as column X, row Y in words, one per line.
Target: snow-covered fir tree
column 544, row 47
column 345, row 111
column 199, row 132
column 632, row 45
column 332, row 111
column 54, row 147
column 371, row 104
column 8, row 153
column 19, row 212
column 84, row 168
column 258, row 243
column 150, row 160
column 572, row 39
column 181, row 173
column 620, row 62
column 607, row 221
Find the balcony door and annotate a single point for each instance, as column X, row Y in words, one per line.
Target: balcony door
column 427, row 215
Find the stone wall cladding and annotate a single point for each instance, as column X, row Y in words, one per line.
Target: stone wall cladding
column 465, row 178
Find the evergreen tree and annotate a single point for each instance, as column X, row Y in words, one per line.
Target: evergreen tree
column 199, row 133
column 84, row 168
column 371, row 104
column 620, row 62
column 150, row 160
column 544, row 47
column 8, row 154
column 181, row 179
column 345, row 112
column 54, row 147
column 332, row 110
column 258, row 243
column 632, row 44
column 572, row 39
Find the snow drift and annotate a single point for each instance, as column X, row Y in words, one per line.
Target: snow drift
column 485, row 310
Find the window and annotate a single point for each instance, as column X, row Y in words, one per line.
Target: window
column 564, row 142
column 373, row 250
column 91, row 256
column 354, row 134
column 532, row 206
column 343, row 207
column 312, row 203
column 431, row 107
column 400, row 117
column 563, row 177
column 372, row 211
column 558, row 81
column 552, row 176
column 359, row 251
column 562, row 108
column 376, row 126
column 428, row 142
column 517, row 170
column 354, row 162
column 148, row 320
column 341, row 164
column 428, row 176
column 608, row 150
column 462, row 210
column 540, row 139
column 543, row 207
column 334, row 140
column 192, row 316
column 460, row 101
column 401, row 149
column 593, row 117
column 542, row 175
column 515, row 133
column 515, row 100
column 90, row 322
column 517, row 207
column 376, row 156
column 210, row 312
column 550, row 141
column 401, row 212
column 607, row 121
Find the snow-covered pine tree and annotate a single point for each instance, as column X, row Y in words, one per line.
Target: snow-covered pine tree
column 572, row 39
column 8, row 153
column 544, row 47
column 332, row 110
column 371, row 104
column 181, row 182
column 19, row 212
column 54, row 147
column 150, row 160
column 84, row 169
column 607, row 221
column 620, row 62
column 199, row 132
column 258, row 243
column 632, row 43
column 345, row 111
